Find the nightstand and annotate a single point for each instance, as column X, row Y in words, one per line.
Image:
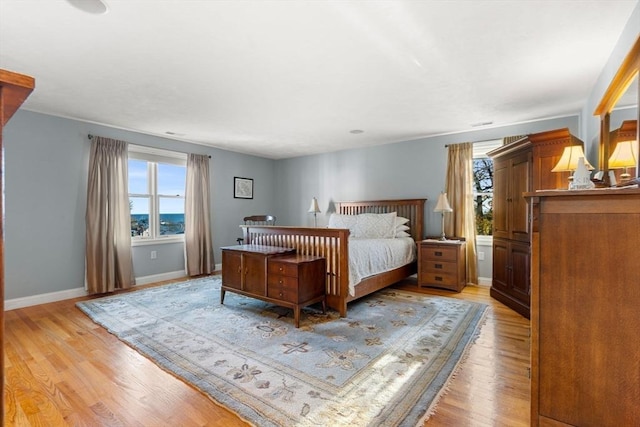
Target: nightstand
column 442, row 264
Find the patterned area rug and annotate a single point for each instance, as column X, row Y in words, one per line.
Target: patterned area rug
column 385, row 364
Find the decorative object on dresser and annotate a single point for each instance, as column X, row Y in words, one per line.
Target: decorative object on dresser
column 314, row 209
column 622, row 93
column 521, row 166
column 442, row 264
column 585, row 356
column 388, row 364
column 627, row 134
column 623, row 157
column 571, row 158
column 442, row 206
column 274, row 274
column 333, row 245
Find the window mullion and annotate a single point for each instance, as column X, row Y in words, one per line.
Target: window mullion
column 154, row 216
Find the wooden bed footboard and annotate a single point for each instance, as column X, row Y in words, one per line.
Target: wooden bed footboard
column 330, row 243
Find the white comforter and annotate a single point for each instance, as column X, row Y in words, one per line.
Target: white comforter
column 372, row 256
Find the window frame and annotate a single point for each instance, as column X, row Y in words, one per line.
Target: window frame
column 154, row 156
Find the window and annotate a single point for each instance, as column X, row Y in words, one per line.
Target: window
column 156, row 194
column 483, row 186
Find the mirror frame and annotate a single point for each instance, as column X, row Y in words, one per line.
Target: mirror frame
column 629, row 69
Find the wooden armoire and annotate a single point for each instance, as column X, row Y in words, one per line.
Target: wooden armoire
column 14, row 89
column 521, row 166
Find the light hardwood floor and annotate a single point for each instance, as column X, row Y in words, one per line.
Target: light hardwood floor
column 62, row 369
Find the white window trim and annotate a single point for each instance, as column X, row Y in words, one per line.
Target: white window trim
column 158, row 155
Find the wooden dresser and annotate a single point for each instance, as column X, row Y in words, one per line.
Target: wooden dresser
column 521, row 166
column 585, row 308
column 274, row 274
column 442, row 264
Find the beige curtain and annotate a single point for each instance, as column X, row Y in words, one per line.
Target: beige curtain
column 459, row 187
column 108, row 236
column 197, row 225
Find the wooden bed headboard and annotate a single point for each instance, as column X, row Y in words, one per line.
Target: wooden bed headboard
column 413, row 209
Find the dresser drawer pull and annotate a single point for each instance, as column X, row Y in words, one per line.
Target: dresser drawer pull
column 438, row 265
column 437, row 253
column 281, row 269
column 280, row 281
column 438, row 279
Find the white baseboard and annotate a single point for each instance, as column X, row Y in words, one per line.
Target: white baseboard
column 484, row 281
column 12, row 304
column 161, row 277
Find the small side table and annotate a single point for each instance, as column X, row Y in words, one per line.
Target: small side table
column 442, row 264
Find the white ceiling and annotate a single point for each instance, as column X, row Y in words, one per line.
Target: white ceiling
column 286, row 78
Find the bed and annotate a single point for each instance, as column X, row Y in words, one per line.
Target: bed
column 333, row 245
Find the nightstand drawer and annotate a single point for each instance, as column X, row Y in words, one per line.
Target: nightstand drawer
column 438, row 279
column 283, row 268
column 440, row 267
column 443, row 253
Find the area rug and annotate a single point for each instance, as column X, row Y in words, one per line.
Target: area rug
column 385, row 364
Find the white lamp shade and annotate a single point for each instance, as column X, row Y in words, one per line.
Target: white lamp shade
column 624, row 155
column 443, row 204
column 569, row 160
column 314, row 208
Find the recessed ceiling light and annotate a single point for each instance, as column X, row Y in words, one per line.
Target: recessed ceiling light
column 475, row 125
column 96, row 7
column 356, row 131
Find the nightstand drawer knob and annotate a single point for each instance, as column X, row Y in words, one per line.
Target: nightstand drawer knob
column 280, row 281
column 281, row 269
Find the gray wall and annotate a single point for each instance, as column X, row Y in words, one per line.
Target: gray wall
column 46, row 160
column 410, row 169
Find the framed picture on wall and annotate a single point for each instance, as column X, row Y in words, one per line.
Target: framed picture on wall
column 242, row 188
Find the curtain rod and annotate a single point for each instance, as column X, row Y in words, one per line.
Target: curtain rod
column 475, row 142
column 91, row 137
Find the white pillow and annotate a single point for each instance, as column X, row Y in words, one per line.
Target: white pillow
column 401, row 228
column 375, row 226
column 343, row 221
column 400, row 220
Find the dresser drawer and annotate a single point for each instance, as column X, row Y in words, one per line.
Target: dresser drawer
column 443, row 253
column 439, row 279
column 440, row 267
column 283, row 288
column 276, row 267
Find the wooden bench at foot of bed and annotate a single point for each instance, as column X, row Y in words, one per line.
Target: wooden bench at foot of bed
column 332, row 244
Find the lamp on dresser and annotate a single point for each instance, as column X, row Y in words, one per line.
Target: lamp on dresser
column 442, row 206
column 568, row 162
column 624, row 156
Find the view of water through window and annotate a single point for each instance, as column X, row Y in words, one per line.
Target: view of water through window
column 156, row 198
